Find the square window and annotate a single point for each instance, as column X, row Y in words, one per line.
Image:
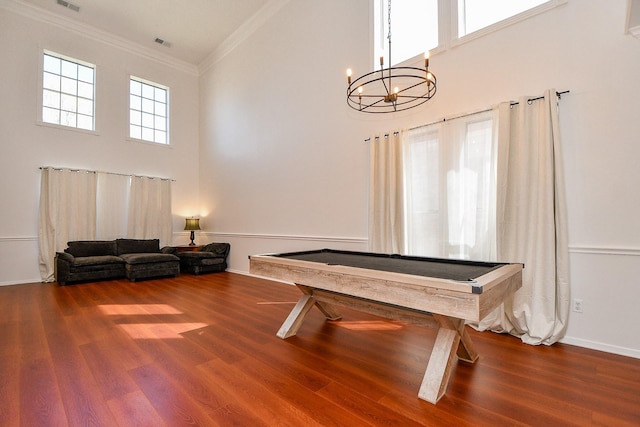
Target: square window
column 67, row 88
column 148, row 112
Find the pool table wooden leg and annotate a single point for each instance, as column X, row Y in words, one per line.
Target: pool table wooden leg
column 306, row 302
column 452, row 340
column 293, row 322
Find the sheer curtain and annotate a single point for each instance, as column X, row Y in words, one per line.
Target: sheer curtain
column 67, row 212
column 450, row 188
column 532, row 227
column 386, row 198
column 150, row 209
column 112, row 204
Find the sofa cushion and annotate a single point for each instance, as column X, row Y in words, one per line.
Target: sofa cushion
column 200, row 258
column 96, row 260
column 82, row 248
column 136, row 246
column 147, row 258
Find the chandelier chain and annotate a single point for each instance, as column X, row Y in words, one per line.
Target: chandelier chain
column 389, row 21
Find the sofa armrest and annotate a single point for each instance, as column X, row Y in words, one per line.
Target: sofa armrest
column 64, row 256
column 220, row 250
column 168, row 250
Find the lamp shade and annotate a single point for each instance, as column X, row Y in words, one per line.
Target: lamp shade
column 192, row 224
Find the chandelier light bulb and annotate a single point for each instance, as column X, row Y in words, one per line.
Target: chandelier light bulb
column 349, row 75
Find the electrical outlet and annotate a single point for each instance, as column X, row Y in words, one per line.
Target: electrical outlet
column 577, row 305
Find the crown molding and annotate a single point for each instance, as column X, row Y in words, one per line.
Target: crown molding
column 38, row 14
column 242, row 33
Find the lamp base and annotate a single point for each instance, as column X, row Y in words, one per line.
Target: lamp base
column 192, row 237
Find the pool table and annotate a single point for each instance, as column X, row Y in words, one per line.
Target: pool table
column 433, row 292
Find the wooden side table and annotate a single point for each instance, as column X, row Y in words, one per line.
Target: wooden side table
column 188, row 248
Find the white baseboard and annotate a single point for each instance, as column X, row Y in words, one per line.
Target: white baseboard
column 607, row 348
column 21, row 282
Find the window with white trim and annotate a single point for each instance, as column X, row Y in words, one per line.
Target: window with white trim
column 68, row 92
column 474, row 15
column 148, row 111
column 414, row 29
column 416, row 24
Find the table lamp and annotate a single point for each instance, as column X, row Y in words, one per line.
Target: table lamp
column 192, row 225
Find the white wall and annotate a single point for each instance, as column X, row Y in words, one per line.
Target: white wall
column 25, row 146
column 283, row 163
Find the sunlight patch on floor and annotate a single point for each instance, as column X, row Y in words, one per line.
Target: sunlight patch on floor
column 150, row 330
column 130, row 309
column 159, row 330
column 369, row 325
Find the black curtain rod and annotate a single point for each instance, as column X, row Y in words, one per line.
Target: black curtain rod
column 529, row 101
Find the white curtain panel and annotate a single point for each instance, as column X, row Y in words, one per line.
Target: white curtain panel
column 450, row 181
column 531, row 221
column 112, row 205
column 67, row 212
column 386, row 204
column 150, row 209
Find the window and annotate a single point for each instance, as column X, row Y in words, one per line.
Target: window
column 68, row 92
column 450, row 189
column 418, row 25
column 148, row 111
column 474, row 15
column 414, row 29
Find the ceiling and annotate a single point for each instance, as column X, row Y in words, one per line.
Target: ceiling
column 191, row 29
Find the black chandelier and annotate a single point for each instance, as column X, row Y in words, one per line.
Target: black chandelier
column 391, row 89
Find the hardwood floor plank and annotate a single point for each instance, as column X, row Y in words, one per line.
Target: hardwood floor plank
column 134, row 409
column 107, row 370
column 82, row 399
column 261, row 404
column 314, row 406
column 368, row 410
column 9, row 386
column 174, row 406
column 40, row 399
column 202, row 350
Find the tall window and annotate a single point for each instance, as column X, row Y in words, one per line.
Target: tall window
column 414, row 29
column 68, row 92
column 416, row 24
column 450, row 177
column 148, row 111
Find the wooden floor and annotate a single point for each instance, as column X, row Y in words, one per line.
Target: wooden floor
column 202, row 350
